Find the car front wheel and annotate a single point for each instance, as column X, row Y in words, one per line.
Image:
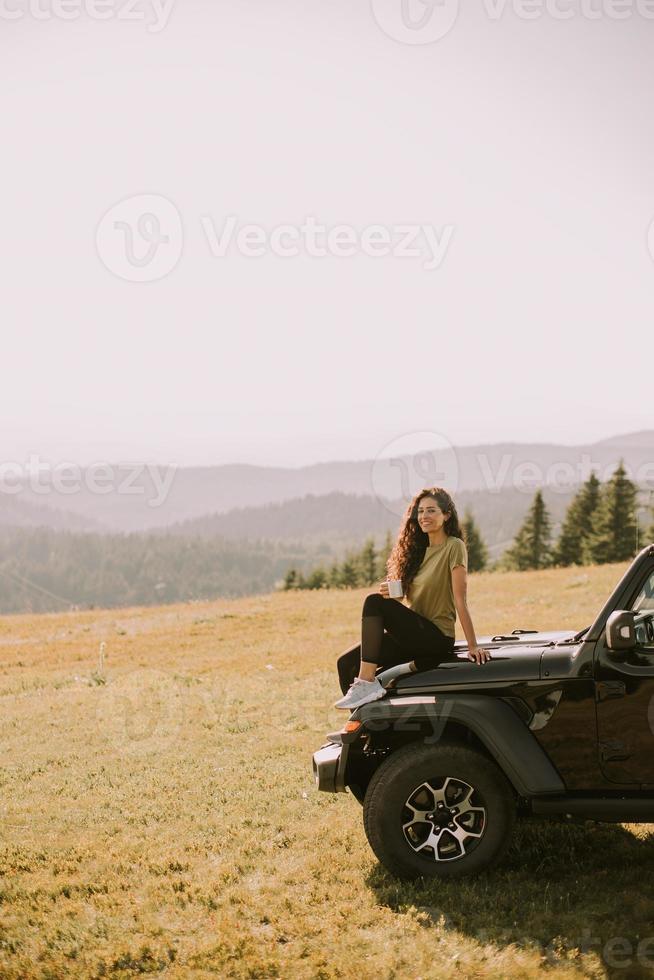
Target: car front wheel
column 438, row 811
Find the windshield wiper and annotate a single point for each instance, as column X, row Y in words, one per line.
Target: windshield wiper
column 575, row 638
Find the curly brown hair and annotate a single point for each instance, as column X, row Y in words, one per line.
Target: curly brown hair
column 406, row 557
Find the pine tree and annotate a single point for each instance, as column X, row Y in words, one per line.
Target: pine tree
column 368, row 562
column 578, row 524
column 334, row 577
column 317, row 579
column 614, row 535
column 291, row 579
column 383, row 557
column 477, row 551
column 349, row 577
column 531, row 545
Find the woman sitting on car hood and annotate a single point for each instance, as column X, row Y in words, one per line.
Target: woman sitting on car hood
column 431, row 560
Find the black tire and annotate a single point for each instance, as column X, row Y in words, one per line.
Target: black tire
column 398, row 810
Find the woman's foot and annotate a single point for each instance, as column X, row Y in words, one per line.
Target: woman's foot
column 361, row 692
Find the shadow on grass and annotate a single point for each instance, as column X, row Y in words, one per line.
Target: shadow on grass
column 562, row 891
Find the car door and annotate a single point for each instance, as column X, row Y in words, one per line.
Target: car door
column 624, row 694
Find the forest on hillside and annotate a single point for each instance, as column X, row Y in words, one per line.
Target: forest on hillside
column 313, row 543
column 43, row 570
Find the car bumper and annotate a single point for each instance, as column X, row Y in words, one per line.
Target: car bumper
column 329, row 764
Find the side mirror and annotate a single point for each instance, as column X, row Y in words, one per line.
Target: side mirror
column 620, row 630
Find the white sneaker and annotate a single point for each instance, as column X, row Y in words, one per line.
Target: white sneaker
column 361, row 692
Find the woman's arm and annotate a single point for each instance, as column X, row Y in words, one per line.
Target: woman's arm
column 460, row 590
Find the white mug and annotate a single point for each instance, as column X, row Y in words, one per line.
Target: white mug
column 395, row 590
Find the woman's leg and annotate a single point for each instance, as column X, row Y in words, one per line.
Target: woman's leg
column 442, row 652
column 348, row 667
column 348, row 663
column 415, row 635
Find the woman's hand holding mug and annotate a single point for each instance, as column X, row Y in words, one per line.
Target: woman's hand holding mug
column 392, row 588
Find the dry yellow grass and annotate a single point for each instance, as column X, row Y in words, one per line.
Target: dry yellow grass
column 166, row 822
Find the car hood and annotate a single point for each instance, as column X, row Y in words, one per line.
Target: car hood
column 514, row 657
column 515, row 640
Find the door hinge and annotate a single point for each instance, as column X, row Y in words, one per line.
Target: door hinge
column 606, row 690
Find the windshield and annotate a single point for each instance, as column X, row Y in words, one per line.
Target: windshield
column 645, row 598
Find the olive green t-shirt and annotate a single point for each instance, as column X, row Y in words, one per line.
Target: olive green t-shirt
column 430, row 593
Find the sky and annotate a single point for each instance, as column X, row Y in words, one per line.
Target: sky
column 484, row 185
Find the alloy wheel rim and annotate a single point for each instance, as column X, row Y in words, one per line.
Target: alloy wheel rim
column 443, row 819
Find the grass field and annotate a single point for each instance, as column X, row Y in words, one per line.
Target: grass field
column 165, row 821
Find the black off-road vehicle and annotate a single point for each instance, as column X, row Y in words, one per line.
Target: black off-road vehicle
column 557, row 723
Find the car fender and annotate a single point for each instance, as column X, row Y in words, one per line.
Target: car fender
column 494, row 721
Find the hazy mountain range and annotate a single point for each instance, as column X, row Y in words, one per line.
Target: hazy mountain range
column 234, row 496
column 236, row 530
column 338, row 520
column 16, row 512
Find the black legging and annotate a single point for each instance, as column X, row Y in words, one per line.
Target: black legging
column 409, row 636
